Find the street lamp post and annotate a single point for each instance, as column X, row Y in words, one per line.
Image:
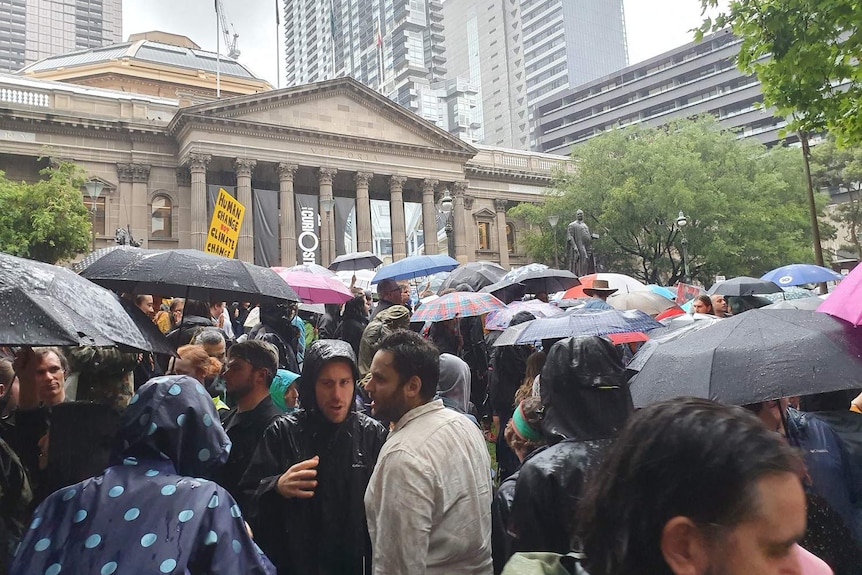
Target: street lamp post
column 94, row 189
column 446, row 204
column 681, row 222
column 553, row 221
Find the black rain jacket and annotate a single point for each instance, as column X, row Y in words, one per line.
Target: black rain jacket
column 325, row 534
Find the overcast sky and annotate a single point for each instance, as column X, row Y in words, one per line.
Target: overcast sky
column 653, row 26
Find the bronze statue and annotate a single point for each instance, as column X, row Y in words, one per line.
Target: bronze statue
column 579, row 251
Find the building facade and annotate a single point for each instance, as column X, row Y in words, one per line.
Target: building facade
column 34, row 29
column 392, row 46
column 694, row 79
column 316, row 167
column 517, row 52
column 154, row 64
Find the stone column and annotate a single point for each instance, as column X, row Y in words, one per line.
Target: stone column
column 396, row 214
column 245, row 245
column 287, row 214
column 198, row 170
column 460, row 221
column 363, row 212
column 472, row 231
column 327, row 229
column 133, row 180
column 429, row 217
column 501, row 206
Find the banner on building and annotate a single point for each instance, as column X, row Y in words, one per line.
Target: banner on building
column 225, row 224
column 307, row 229
column 265, row 217
column 345, row 226
column 212, row 194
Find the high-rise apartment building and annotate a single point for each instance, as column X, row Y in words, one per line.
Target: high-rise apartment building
column 517, row 52
column 392, row 46
column 34, row 29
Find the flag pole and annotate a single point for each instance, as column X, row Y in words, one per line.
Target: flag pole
column 277, row 54
column 218, row 51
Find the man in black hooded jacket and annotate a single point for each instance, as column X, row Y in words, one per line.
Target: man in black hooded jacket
column 306, row 481
column 586, row 401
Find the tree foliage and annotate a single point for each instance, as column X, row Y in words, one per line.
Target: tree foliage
column 745, row 206
column 46, row 220
column 805, row 54
column 840, row 171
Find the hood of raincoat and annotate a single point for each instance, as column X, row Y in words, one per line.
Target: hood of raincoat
column 321, row 352
column 395, row 317
column 453, row 387
column 280, row 383
column 584, row 390
column 521, row 317
column 173, row 417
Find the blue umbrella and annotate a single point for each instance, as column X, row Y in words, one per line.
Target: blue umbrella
column 797, row 274
column 414, row 267
column 663, row 291
column 601, row 322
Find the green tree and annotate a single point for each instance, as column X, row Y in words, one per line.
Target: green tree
column 745, row 205
column 46, row 220
column 840, row 171
column 805, row 54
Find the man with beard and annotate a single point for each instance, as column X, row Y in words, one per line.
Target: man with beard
column 429, row 499
column 309, row 473
column 692, row 487
column 251, row 365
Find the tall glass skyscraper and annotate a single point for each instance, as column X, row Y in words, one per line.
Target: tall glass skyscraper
column 517, row 52
column 34, row 29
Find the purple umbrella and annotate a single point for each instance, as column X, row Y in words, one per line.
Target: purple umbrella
column 315, row 288
column 845, row 301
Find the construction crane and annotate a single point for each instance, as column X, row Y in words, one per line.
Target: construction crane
column 230, row 42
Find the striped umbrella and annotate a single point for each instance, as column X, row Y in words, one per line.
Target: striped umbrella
column 457, row 304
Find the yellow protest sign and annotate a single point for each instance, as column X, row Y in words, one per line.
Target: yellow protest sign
column 224, row 228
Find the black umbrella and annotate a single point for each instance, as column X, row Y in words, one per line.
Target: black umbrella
column 355, row 261
column 549, row 281
column 505, row 291
column 49, row 305
column 475, row 274
column 757, row 356
column 744, row 285
column 190, row 274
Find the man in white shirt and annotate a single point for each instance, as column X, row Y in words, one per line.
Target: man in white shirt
column 428, row 502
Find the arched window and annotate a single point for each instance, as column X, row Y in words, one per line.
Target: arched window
column 161, row 217
column 510, row 238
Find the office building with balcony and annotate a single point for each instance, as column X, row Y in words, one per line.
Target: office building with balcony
column 31, row 30
column 694, row 79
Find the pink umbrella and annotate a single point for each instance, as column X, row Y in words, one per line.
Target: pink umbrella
column 315, row 288
column 845, row 301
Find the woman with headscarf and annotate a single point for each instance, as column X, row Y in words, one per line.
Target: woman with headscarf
column 283, row 391
column 149, row 512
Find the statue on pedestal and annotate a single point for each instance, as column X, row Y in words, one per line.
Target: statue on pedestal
column 579, row 250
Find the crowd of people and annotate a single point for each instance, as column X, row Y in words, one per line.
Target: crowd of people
column 280, row 440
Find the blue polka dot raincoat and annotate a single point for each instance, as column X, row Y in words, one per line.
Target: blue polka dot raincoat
column 151, row 512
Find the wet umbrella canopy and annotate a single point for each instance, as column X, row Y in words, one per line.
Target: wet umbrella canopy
column 548, row 281
column 190, row 274
column 744, row 286
column 49, row 305
column 587, row 322
column 355, row 261
column 475, row 274
column 757, row 356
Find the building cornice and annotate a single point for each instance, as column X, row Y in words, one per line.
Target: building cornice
column 54, row 123
column 501, row 174
column 304, row 136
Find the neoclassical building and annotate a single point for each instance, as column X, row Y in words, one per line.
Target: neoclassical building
column 322, row 169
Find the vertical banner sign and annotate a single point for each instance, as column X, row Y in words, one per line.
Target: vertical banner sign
column 225, row 224
column 265, row 216
column 307, row 229
column 344, row 208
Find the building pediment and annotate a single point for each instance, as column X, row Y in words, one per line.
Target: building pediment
column 334, row 109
